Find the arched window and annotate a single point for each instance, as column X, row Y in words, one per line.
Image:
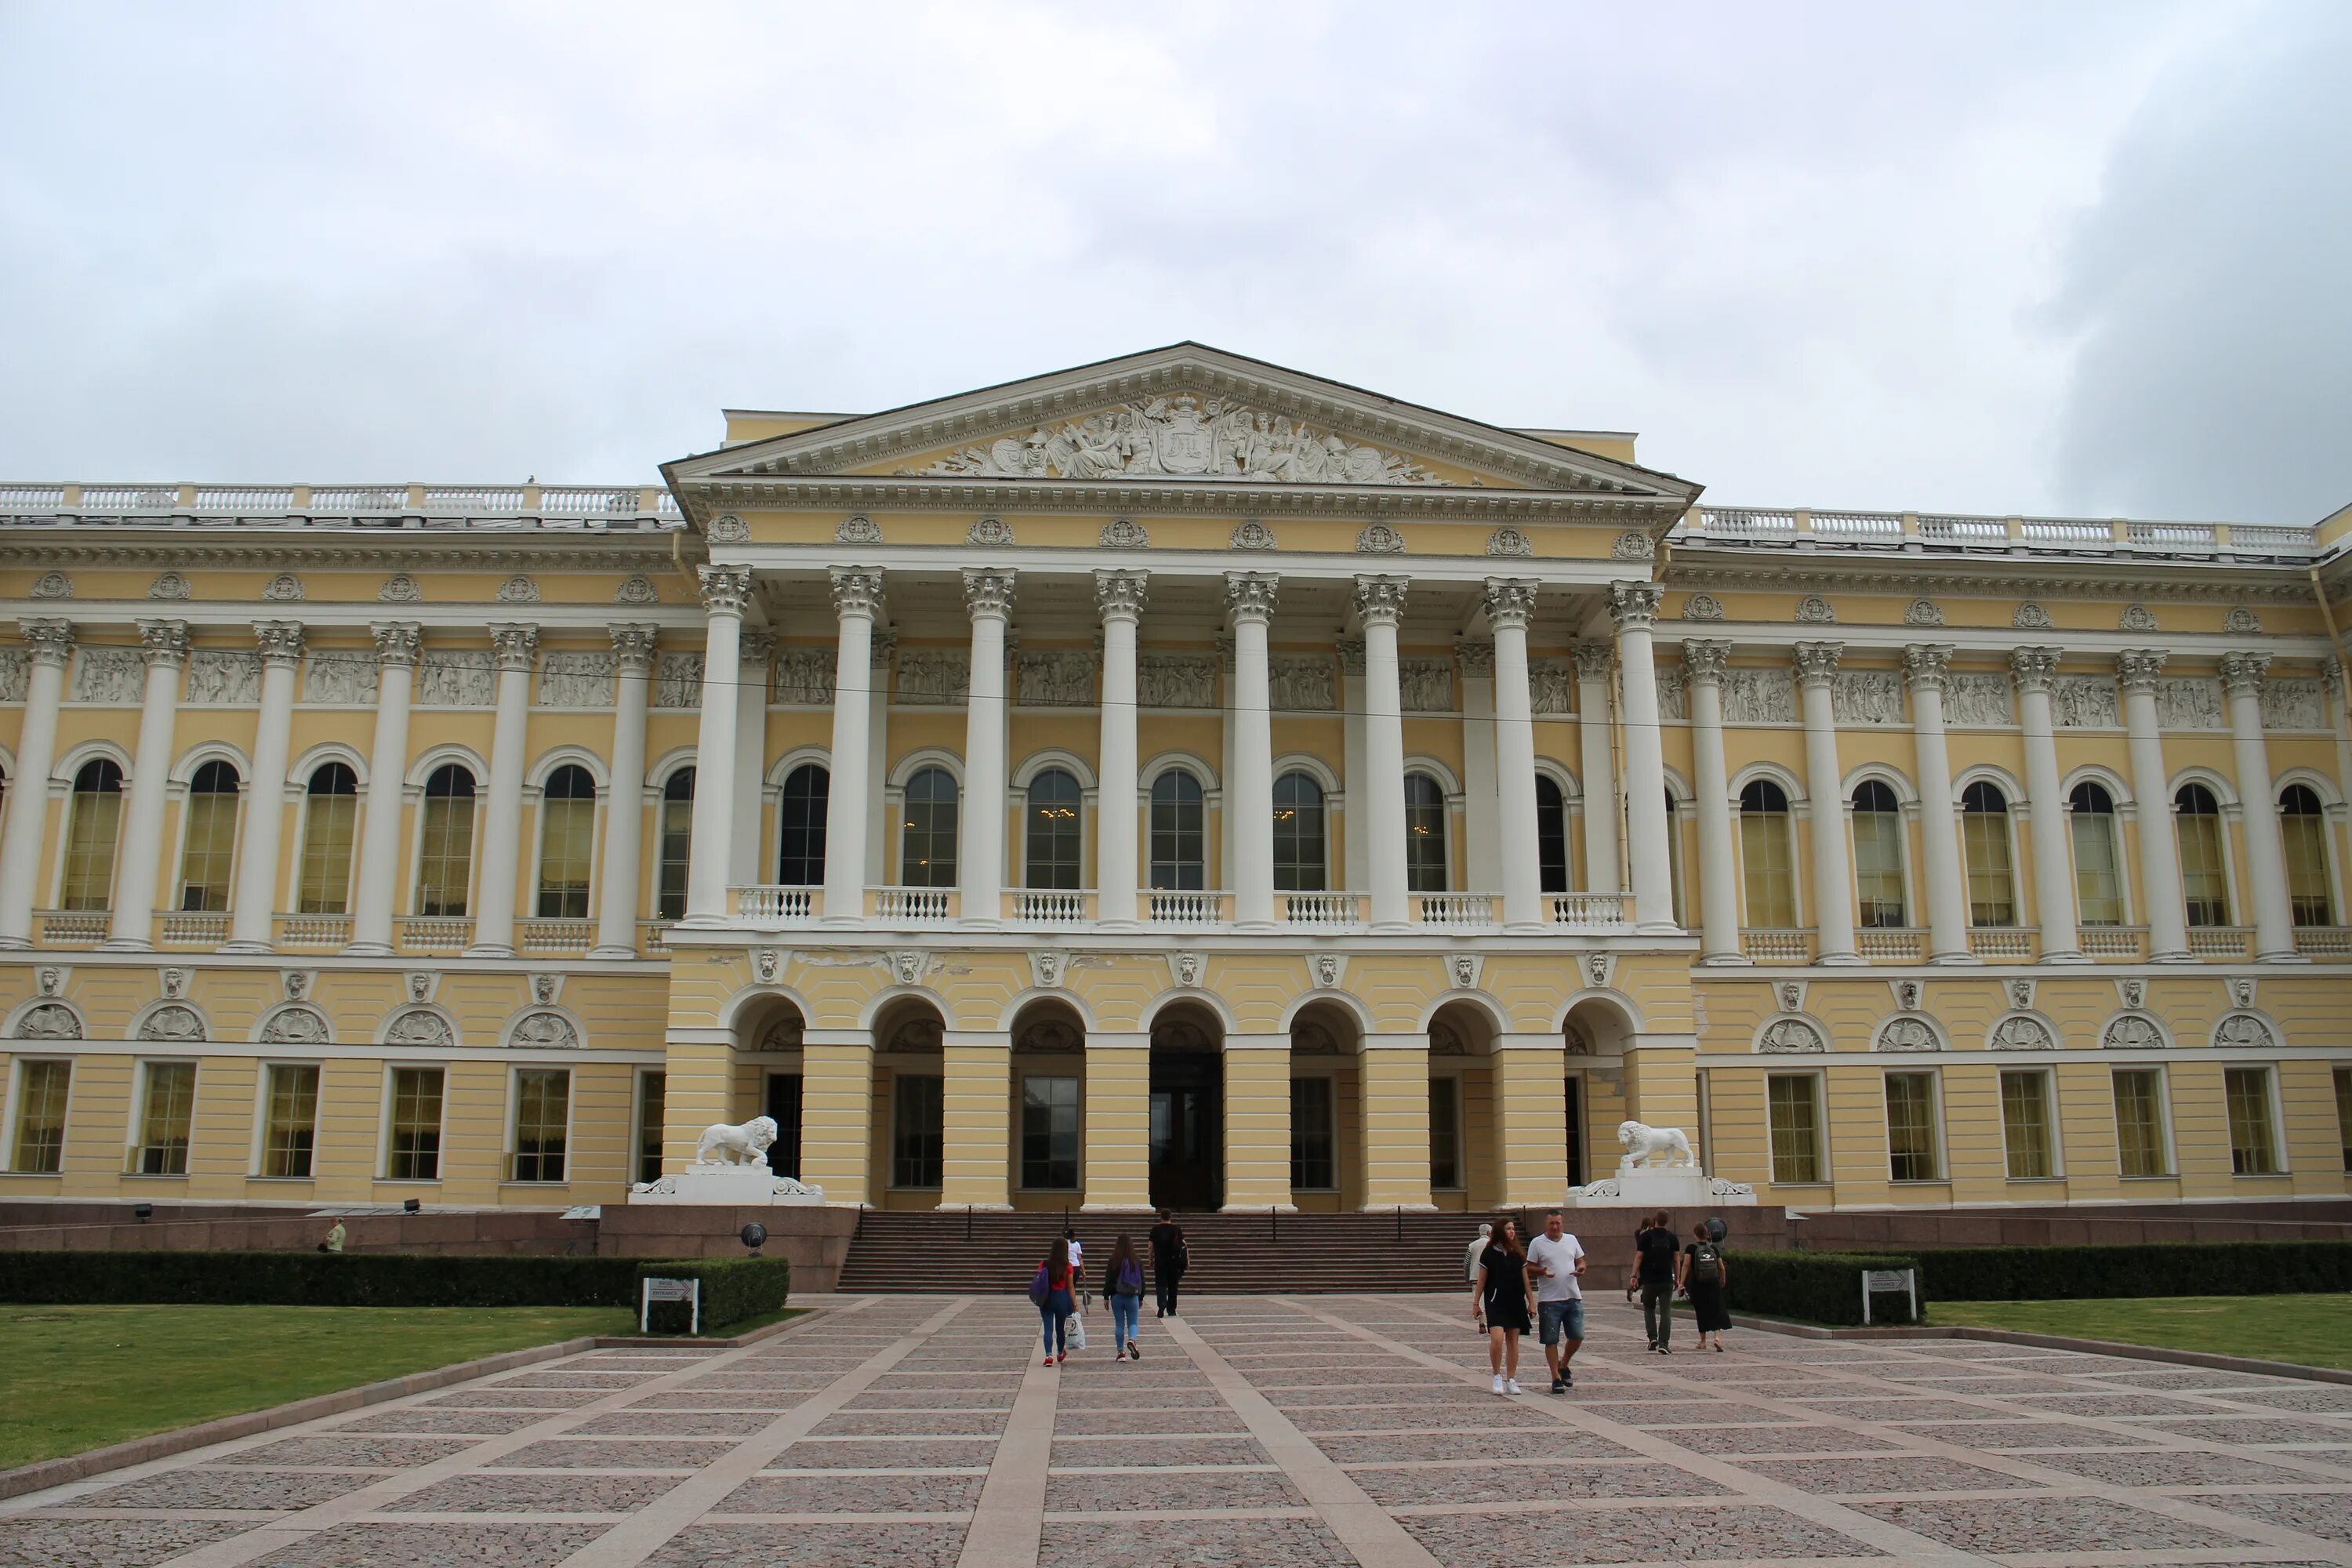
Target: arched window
column 677, row 847
column 567, row 842
column 799, row 841
column 1551, row 833
column 447, row 855
column 1424, row 834
column 208, row 858
column 1177, row 836
column 94, row 821
column 1054, row 844
column 1299, row 865
column 2098, row 861
column 1767, row 862
column 927, row 857
column 1878, row 855
column 1984, row 836
column 331, row 814
column 2303, row 829
column 2204, row 881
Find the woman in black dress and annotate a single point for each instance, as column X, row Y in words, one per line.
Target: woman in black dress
column 1498, row 1298
column 1704, row 1275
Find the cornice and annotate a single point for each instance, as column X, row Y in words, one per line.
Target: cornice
column 2187, row 581
column 178, row 551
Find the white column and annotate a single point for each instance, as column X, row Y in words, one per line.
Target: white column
column 502, row 857
column 163, row 645
column 745, row 867
column 49, row 644
column 1249, row 773
column 2159, row 851
column 2053, row 853
column 1510, row 606
column 877, row 819
column 1718, row 899
column 1599, row 768
column 1118, row 597
column 856, row 596
column 2241, row 677
column 1634, row 607
column 634, row 648
column 1379, row 605
column 1356, row 860
column 1944, row 884
column 988, row 595
column 725, row 591
column 1833, row 877
column 256, row 899
column 1483, row 859
column 398, row 644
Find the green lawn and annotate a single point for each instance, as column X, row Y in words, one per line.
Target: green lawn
column 2316, row 1330
column 81, row 1377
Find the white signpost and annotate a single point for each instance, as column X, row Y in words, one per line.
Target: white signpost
column 1890, row 1280
column 652, row 1290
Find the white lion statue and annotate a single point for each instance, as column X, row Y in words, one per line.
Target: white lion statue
column 1651, row 1147
column 723, row 1145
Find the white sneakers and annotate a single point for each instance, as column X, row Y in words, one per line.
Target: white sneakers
column 1511, row 1386
column 1498, row 1383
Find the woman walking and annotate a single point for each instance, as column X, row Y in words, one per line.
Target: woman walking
column 1705, row 1277
column 1498, row 1298
column 1123, row 1288
column 1050, row 1290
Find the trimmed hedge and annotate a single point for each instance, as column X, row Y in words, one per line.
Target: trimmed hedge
column 733, row 1289
column 318, row 1279
column 2155, row 1269
column 1815, row 1287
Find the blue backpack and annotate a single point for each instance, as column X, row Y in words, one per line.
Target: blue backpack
column 1041, row 1286
column 1130, row 1278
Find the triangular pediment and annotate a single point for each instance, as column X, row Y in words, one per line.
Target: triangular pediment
column 1185, row 415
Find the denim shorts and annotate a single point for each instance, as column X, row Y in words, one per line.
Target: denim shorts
column 1560, row 1318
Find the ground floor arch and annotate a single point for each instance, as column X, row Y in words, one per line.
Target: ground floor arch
column 1186, row 1127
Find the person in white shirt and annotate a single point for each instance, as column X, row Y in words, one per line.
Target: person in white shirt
column 1477, row 1245
column 1077, row 1261
column 1555, row 1259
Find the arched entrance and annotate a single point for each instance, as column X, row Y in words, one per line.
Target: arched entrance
column 1595, row 1036
column 1327, row 1109
column 1464, row 1139
column 1188, row 1108
column 1048, row 1110
column 767, row 1077
column 909, row 1152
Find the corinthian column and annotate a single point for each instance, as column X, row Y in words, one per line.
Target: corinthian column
column 2054, row 859
column 1249, row 784
column 163, row 645
column 1926, row 666
column 49, row 644
column 256, row 899
column 754, row 676
column 1119, row 596
column 1599, row 768
column 725, row 591
column 856, row 597
column 988, row 595
column 1833, row 880
column 1634, row 607
column 2242, row 675
column 1718, row 902
column 494, row 915
column 398, row 644
column 634, row 648
column 1379, row 605
column 2159, row 854
column 1510, row 606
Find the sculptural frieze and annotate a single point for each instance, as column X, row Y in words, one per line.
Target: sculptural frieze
column 677, row 680
column 457, row 677
column 804, row 676
column 1302, row 684
column 1977, row 700
column 2294, row 704
column 2189, row 702
column 109, row 675
column 1056, row 678
column 1673, row 692
column 1184, row 437
column 340, row 679
column 2083, row 702
column 1868, row 696
column 1176, row 679
column 575, row 679
column 13, row 669
column 1425, row 685
column 936, row 676
column 1759, row 696
column 223, row 675
column 1552, row 685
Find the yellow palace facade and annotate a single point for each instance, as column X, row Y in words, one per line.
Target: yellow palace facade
column 1173, row 780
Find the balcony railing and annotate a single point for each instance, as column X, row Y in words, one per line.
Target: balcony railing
column 652, row 937
column 1469, row 911
column 555, row 936
column 75, row 925
column 1318, row 909
column 288, row 506
column 1586, row 911
column 314, row 932
column 2014, row 942
column 2128, row 943
column 1051, row 906
column 776, row 902
column 1768, row 944
column 1802, row 529
column 1890, row 945
column 2219, row 942
column 2324, row 942
column 436, row 933
column 915, row 906
column 1185, row 906
column 194, row 928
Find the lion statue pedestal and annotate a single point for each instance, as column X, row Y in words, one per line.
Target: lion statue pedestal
column 1659, row 1171
column 731, row 1167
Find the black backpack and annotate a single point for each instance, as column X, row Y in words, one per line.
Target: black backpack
column 1705, row 1264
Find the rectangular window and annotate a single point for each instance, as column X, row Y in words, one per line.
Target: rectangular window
column 207, row 860
column 1314, row 1163
column 542, row 1116
column 677, row 853
column 652, row 1091
column 918, row 1147
column 2344, row 1113
column 2098, row 878
column 290, row 1130
column 2204, row 879
column 2140, row 1123
column 567, row 847
column 1445, row 1135
column 1911, row 1149
column 167, row 1113
column 2025, row 1125
column 1768, row 869
column 330, row 823
column 2254, row 1133
column 95, row 817
column 38, row 1148
column 1049, row 1133
column 412, row 1150
column 1794, row 1101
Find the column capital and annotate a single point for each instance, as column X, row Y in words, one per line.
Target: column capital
column 1380, row 598
column 1594, row 660
column 856, row 591
column 635, row 644
column 1510, row 602
column 1476, row 658
column 280, row 641
column 1926, row 664
column 2137, row 667
column 398, row 642
column 1706, row 659
column 2241, row 673
column 1634, row 605
column 1250, row 595
column 1816, row 662
column 725, row 589
column 47, row 640
column 1352, row 655
column 2033, row 667
column 1119, row 595
column 758, row 645
column 163, row 642
column 988, row 592
column 514, row 646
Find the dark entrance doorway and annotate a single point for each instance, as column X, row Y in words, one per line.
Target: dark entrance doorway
column 784, row 1109
column 1188, row 1113
column 1575, row 1131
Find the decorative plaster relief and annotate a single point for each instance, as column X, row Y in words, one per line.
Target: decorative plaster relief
column 1633, row 546
column 14, row 670
column 2020, row 1032
column 1508, row 542
column 49, row 1021
column 1785, row 1036
column 545, row 1031
column 1753, row 696
column 400, row 588
column 576, row 680
column 992, row 530
column 1552, row 685
column 296, row 1025
column 637, row 590
column 2131, row 1032
column 1425, row 685
column 1702, row 608
column 1674, row 694
column 1814, row 610
column 284, row 588
column 1977, row 700
column 53, row 585
column 2242, row 620
column 223, row 675
column 2189, row 702
column 726, row 529
column 110, row 675
column 1379, row 539
column 1907, row 1034
column 939, row 677
column 340, row 679
column 2246, row 1030
column 1056, row 677
column 2031, row 617
column 858, row 530
column 1868, row 696
column 677, row 680
column 1176, row 679
column 2294, row 704
column 1252, row 535
column 1125, row 534
column 804, row 677
column 1302, row 684
column 170, row 585
column 418, row 1026
column 173, row 1024
column 2138, row 618
column 1923, row 613
column 457, row 677
column 2083, row 702
column 1184, row 437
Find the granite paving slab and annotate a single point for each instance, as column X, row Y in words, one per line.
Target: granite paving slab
column 420, row 1421
column 366, row 1545
column 1919, row 1473
column 116, row 1542
column 2056, row 1433
column 1540, row 1539
column 2255, row 1431
column 908, row 1492
column 1554, row 1443
column 1467, row 1485
column 1091, row 1452
column 364, row 1453
column 182, row 1491
column 612, row 1454
column 904, row 1423
column 2173, row 1467
column 2324, row 1514
column 860, row 1545
column 494, row 1493
column 1206, row 1543
column 945, row 1453
column 1805, row 1439
column 2031, row 1523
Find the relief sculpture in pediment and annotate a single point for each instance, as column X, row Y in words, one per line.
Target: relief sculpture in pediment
column 1185, row 437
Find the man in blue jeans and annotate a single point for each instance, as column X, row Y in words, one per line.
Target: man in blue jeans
column 1555, row 1259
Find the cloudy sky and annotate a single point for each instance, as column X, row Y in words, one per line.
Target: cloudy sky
column 2076, row 259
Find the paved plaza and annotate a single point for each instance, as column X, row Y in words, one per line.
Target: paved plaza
column 922, row 1433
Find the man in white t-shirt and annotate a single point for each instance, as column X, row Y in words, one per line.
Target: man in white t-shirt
column 1555, row 1258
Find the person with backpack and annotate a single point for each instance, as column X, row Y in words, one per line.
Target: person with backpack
column 1705, row 1277
column 1123, row 1288
column 1656, row 1259
column 1049, row 1290
column 1170, row 1259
